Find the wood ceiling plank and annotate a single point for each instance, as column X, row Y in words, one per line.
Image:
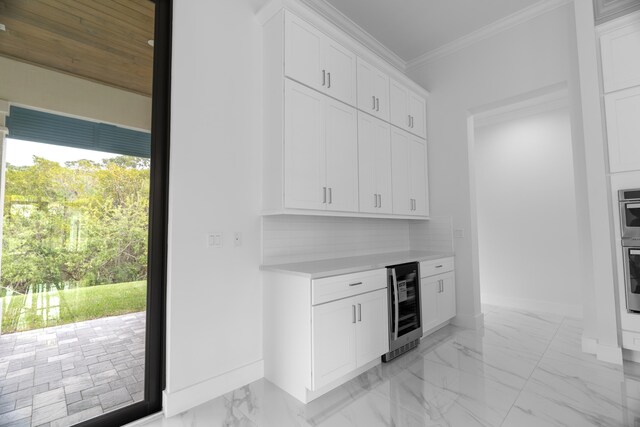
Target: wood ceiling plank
column 100, row 41
column 39, row 46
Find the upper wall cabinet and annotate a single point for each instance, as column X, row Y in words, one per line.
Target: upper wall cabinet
column 621, row 56
column 623, row 129
column 373, row 90
column 408, row 110
column 317, row 61
column 409, row 174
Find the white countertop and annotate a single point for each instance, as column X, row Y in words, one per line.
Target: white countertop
column 337, row 266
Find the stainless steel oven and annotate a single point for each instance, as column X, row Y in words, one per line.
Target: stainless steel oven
column 405, row 324
column 630, row 213
column 631, row 255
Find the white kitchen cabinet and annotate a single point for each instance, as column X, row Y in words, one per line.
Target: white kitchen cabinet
column 317, row 61
column 320, row 333
column 620, row 58
column 622, row 111
column 333, row 340
column 373, row 90
column 407, row 109
column 438, row 293
column 321, row 151
column 374, row 164
column 409, row 174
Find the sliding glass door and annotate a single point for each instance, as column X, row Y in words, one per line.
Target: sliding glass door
column 84, row 92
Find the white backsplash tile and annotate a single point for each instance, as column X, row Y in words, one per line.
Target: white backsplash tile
column 298, row 238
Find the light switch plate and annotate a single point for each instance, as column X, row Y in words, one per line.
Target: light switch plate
column 214, row 239
column 458, row 233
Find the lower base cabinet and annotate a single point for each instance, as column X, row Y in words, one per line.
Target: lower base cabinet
column 438, row 299
column 320, row 333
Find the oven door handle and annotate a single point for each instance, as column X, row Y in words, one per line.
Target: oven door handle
column 396, row 303
column 634, row 251
column 632, row 206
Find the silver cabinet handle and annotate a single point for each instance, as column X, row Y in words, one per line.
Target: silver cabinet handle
column 409, row 118
column 379, row 200
column 330, row 196
column 329, row 80
column 359, row 312
column 324, row 194
column 396, row 303
column 377, row 104
column 410, row 204
column 375, row 200
column 439, row 266
column 324, row 77
column 353, row 307
column 355, row 284
column 374, row 102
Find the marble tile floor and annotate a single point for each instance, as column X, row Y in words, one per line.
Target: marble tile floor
column 523, row 369
column 62, row 375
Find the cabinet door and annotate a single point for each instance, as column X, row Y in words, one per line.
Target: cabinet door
column 304, row 173
column 623, row 129
column 374, row 164
column 417, row 111
column 341, row 140
column 340, row 65
column 429, row 289
column 333, row 341
column 620, row 58
column 367, row 163
column 400, row 178
column 447, row 297
column 398, row 104
column 303, row 52
column 373, row 90
column 372, row 327
column 418, row 175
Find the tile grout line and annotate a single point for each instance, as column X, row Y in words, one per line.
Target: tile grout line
column 555, row 334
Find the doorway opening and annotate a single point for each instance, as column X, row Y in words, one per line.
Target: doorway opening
column 525, row 199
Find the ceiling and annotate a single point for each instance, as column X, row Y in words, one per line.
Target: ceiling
column 411, row 28
column 103, row 41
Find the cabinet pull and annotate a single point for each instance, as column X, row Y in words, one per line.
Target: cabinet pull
column 355, row 284
column 410, row 204
column 330, row 196
column 359, row 312
column 374, row 102
column 324, row 194
column 379, row 200
column 439, row 266
column 409, row 118
column 329, row 80
column 353, row 307
column 377, row 104
column 324, row 77
column 375, row 200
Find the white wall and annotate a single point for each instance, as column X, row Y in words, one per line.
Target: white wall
column 214, row 295
column 555, row 48
column 526, row 209
column 27, row 85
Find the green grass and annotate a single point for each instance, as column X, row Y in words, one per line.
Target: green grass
column 72, row 305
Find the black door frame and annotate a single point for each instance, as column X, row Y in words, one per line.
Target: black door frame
column 154, row 381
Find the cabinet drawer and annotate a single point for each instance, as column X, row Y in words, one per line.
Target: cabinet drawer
column 436, row 266
column 333, row 288
column 631, row 340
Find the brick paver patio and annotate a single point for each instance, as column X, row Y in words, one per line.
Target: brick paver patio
column 62, row 375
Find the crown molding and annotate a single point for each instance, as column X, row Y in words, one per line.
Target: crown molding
column 630, row 19
column 503, row 24
column 337, row 19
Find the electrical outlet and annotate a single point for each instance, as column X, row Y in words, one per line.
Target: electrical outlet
column 237, row 238
column 214, row 239
column 458, row 233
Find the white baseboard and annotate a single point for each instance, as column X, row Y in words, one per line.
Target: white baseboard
column 568, row 310
column 610, row 354
column 469, row 321
column 589, row 345
column 190, row 397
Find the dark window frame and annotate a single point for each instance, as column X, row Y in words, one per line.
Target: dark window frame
column 155, row 351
